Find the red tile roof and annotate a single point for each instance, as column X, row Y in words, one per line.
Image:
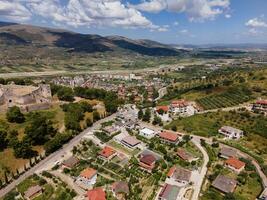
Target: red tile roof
column 148, row 159
column 88, row 173
column 262, row 102
column 169, row 136
column 171, row 171
column 96, row 194
column 107, row 152
column 164, row 108
column 179, row 103
column 237, row 164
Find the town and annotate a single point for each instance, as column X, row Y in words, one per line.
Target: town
column 133, row 146
column 133, row 100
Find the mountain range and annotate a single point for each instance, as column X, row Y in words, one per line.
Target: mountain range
column 18, row 34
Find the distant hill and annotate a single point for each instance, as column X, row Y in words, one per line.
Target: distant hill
column 18, row 34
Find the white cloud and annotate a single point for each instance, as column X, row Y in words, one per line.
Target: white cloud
column 228, row 16
column 197, row 10
column 162, row 29
column 100, row 13
column 176, row 23
column 153, row 6
column 13, row 10
column 256, row 23
column 184, row 31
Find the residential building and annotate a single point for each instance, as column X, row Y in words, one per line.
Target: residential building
column 179, row 174
column 96, row 194
column 169, row 137
column 110, row 130
column 147, row 162
column 130, row 142
column 182, row 107
column 107, row 153
column 147, row 133
column 87, row 178
column 235, row 164
column 164, row 109
column 260, row 106
column 231, row 133
column 226, row 152
column 70, row 162
column 185, row 155
column 224, row 184
column 169, row 192
column 33, row 192
column 120, row 189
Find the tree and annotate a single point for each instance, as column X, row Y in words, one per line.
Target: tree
column 40, row 129
column 24, row 150
column 174, row 128
column 96, row 115
column 14, row 115
column 13, row 138
column 65, row 94
column 147, row 115
column 140, row 114
column 157, row 120
column 3, row 139
column 186, row 138
column 161, row 111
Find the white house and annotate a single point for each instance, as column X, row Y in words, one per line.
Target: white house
column 147, row 133
column 230, row 132
column 87, row 178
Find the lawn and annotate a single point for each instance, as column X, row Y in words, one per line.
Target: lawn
column 125, row 150
column 254, row 126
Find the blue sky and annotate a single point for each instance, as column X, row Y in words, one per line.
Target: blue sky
column 167, row 21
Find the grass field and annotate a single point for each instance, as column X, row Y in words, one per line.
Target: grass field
column 254, row 126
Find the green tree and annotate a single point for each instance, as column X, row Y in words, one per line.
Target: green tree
column 3, row 140
column 39, row 130
column 140, row 114
column 14, row 115
column 24, row 150
column 96, row 115
column 157, row 120
column 65, row 94
column 147, row 115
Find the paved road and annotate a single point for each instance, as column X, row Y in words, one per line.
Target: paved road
column 246, row 105
column 198, row 183
column 63, row 72
column 196, row 140
column 162, row 92
column 51, row 159
column 254, row 162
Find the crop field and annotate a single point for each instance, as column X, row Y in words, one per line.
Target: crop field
column 226, row 99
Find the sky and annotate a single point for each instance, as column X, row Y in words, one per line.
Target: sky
column 166, row 21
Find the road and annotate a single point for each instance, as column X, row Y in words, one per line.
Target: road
column 58, row 155
column 246, row 105
column 198, row 183
column 196, row 141
column 62, row 72
column 162, row 92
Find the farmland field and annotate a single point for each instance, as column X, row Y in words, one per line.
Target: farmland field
column 230, row 98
